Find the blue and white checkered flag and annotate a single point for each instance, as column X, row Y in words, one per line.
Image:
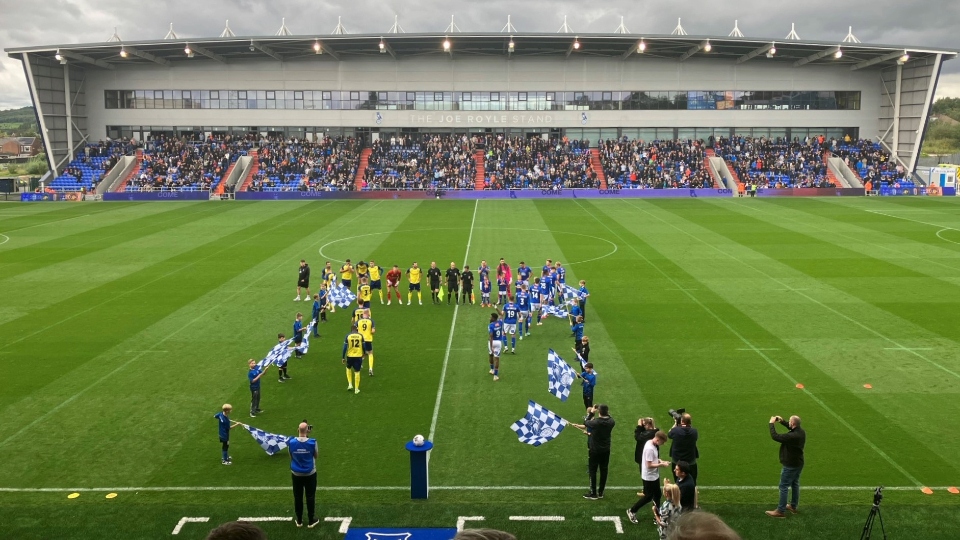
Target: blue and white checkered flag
column 560, row 376
column 278, row 355
column 571, row 296
column 305, row 344
column 270, row 442
column 538, row 426
column 341, row 296
column 583, row 363
column 556, row 311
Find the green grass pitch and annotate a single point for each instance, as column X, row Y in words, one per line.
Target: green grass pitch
column 124, row 327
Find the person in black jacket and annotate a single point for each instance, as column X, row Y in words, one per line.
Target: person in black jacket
column 791, row 457
column 599, row 428
column 644, row 431
column 684, row 447
column 303, row 280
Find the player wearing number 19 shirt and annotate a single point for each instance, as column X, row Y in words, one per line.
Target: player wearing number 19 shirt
column 510, row 316
column 523, row 305
column 495, row 344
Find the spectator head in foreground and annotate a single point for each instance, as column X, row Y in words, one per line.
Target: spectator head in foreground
column 483, row 534
column 701, row 525
column 237, row 530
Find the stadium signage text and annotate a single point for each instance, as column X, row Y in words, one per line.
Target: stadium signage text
column 482, row 119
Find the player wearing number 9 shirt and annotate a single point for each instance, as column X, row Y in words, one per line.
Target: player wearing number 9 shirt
column 353, row 358
column 495, row 344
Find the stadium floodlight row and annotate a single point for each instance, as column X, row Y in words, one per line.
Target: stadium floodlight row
column 584, row 86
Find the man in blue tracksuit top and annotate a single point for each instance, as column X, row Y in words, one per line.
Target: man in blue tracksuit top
column 303, row 471
column 225, row 425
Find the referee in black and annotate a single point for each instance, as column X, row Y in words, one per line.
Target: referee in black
column 433, row 275
column 466, row 280
column 453, row 283
column 303, row 280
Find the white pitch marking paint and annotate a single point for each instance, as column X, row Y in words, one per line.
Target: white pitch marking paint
column 184, row 520
column 5, row 239
column 537, row 518
column 453, row 327
column 266, row 518
column 617, row 524
column 462, row 520
column 344, row 523
column 438, row 488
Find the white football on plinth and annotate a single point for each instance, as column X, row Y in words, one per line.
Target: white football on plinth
column 418, row 440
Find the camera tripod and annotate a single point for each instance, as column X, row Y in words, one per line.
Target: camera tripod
column 868, row 526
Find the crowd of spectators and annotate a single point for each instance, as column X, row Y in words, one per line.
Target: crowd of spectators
column 537, row 163
column 635, row 164
column 776, row 162
column 183, row 163
column 428, row 162
column 328, row 164
column 88, row 169
column 871, row 162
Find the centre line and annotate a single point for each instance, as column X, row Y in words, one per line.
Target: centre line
column 453, row 326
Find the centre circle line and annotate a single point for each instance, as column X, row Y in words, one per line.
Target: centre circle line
column 614, row 250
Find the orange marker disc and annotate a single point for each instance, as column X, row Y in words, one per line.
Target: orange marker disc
column 926, row 490
column 868, row 386
column 799, row 385
column 953, row 490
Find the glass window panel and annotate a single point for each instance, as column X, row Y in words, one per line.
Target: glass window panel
column 354, row 95
column 494, row 96
column 522, row 96
column 551, row 96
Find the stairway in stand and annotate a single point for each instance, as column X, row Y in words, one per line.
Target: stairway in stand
column 133, row 172
column 830, row 176
column 254, row 169
column 362, row 168
column 480, row 182
column 717, row 181
column 597, row 167
column 221, row 186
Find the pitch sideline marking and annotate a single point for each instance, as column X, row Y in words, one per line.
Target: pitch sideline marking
column 462, row 520
column 167, row 489
column 184, row 520
column 266, row 518
column 344, row 523
column 137, row 357
column 617, row 524
column 453, row 326
column 537, row 518
column 739, row 336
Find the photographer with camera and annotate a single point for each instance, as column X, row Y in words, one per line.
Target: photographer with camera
column 645, row 430
column 791, row 457
column 684, row 437
column 303, row 469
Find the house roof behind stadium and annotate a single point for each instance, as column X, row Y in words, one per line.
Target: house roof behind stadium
column 178, row 50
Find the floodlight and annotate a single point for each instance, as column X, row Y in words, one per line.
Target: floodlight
column 446, row 44
column 641, row 47
column 57, row 56
column 708, row 47
column 317, row 49
column 383, row 46
column 838, row 54
column 576, row 43
column 904, row 58
column 511, row 46
column 123, row 52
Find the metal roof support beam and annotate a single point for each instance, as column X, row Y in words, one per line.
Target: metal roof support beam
column 266, row 50
column 147, row 56
column 755, row 53
column 636, row 47
column 695, row 49
column 209, row 54
column 816, row 56
column 325, row 49
column 86, row 59
column 388, row 49
column 877, row 60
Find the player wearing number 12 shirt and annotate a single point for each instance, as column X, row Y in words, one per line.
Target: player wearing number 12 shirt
column 495, row 344
column 353, row 358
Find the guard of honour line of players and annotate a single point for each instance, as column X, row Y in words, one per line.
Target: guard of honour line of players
column 512, row 321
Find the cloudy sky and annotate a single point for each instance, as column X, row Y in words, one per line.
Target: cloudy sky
column 922, row 23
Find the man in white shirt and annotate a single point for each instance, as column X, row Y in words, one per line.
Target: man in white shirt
column 650, row 474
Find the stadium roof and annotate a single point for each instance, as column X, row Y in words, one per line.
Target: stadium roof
column 113, row 54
